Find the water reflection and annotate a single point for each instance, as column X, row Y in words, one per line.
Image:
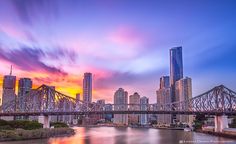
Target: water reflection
column 111, row 135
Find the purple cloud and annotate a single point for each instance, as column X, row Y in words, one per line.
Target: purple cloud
column 29, row 59
column 28, row 10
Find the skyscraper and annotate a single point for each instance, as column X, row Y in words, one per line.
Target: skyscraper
column 164, row 82
column 121, row 99
column 24, row 87
column 77, row 96
column 77, row 102
column 134, row 99
column 100, row 107
column 144, row 107
column 183, row 92
column 176, row 65
column 108, row 117
column 176, row 71
column 87, row 87
column 8, row 95
column 163, row 98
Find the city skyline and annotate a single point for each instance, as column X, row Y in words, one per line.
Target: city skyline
column 48, row 43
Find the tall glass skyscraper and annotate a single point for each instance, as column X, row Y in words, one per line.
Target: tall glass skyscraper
column 176, row 67
column 87, row 87
column 176, row 72
column 176, row 64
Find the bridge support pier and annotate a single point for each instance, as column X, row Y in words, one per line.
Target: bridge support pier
column 221, row 122
column 45, row 120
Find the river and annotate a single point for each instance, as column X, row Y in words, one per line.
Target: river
column 112, row 135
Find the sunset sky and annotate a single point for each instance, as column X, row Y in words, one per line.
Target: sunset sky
column 124, row 43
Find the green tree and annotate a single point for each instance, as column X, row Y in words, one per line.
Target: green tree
column 233, row 124
column 199, row 121
column 58, row 124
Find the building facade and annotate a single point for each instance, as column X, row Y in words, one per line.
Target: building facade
column 87, row 88
column 144, row 101
column 164, row 82
column 8, row 94
column 183, row 92
column 163, row 98
column 77, row 101
column 100, row 107
column 176, row 65
column 108, row 117
column 24, row 88
column 121, row 99
column 135, row 100
column 176, row 72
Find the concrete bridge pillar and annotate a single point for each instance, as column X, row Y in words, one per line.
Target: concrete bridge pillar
column 45, row 120
column 221, row 122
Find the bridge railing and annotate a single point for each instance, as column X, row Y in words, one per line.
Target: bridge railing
column 46, row 99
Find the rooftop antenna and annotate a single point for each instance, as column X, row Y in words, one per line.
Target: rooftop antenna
column 11, row 70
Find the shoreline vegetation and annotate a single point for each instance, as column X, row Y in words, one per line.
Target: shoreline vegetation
column 21, row 134
column 26, row 130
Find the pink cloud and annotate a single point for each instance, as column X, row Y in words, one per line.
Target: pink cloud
column 129, row 36
column 12, row 32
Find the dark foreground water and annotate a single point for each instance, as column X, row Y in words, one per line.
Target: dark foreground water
column 111, row 135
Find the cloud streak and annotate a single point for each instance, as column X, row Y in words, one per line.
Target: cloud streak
column 29, row 10
column 29, row 59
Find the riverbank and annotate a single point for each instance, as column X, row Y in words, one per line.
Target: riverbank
column 128, row 126
column 219, row 134
column 21, row 134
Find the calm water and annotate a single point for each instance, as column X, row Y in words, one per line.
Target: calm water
column 110, row 135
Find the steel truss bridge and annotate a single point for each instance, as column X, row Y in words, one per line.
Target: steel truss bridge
column 47, row 101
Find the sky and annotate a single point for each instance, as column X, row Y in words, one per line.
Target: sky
column 124, row 43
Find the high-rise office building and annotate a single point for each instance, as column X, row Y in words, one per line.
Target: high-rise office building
column 100, row 107
column 135, row 100
column 8, row 95
column 77, row 97
column 176, row 71
column 121, row 99
column 108, row 117
column 87, row 88
column 24, row 88
column 183, row 92
column 144, row 107
column 163, row 98
column 176, row 65
column 164, row 82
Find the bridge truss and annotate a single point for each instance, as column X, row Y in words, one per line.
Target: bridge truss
column 47, row 101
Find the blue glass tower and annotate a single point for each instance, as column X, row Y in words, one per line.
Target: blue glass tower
column 176, row 65
column 176, row 72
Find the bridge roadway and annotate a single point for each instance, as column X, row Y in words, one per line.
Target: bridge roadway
column 218, row 113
